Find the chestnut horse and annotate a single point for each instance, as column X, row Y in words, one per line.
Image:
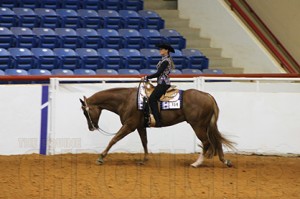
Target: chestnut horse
column 199, row 109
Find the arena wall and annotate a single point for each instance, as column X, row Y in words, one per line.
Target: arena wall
column 260, row 116
column 217, row 21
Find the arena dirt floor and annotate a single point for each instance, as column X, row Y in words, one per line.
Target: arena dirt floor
column 72, row 176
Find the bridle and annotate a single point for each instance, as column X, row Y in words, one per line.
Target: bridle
column 86, row 109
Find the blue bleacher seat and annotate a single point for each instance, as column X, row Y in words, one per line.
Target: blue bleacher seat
column 2, row 72
column 69, row 18
column 152, row 20
column 29, row 3
column 47, row 38
column 23, row 58
column 68, row 37
column 8, row 3
column 48, row 18
column 82, row 71
column 45, row 58
column 213, row 71
column 112, row 58
column 152, row 37
column 90, row 38
column 70, row 4
column 111, row 19
column 111, row 38
column 147, row 71
column 175, row 39
column 27, row 17
column 62, row 72
column 126, row 71
column 179, row 60
column 7, row 38
column 132, row 19
column 5, row 59
column 90, row 59
column 196, row 59
column 106, row 72
column 92, row 4
column 176, row 71
column 13, row 71
column 133, row 5
column 133, row 38
column 8, row 18
column 132, row 58
column 112, row 4
column 68, row 58
column 90, row 19
column 191, row 71
column 37, row 71
column 25, row 38
column 152, row 56
column 52, row 4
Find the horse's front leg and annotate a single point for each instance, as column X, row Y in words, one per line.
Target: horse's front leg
column 124, row 130
column 143, row 135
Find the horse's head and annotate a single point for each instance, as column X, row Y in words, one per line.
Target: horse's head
column 91, row 113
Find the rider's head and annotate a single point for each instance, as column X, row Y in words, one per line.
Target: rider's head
column 165, row 49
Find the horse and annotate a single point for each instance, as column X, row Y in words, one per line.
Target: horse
column 199, row 109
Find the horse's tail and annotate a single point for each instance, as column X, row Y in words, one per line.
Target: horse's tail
column 215, row 138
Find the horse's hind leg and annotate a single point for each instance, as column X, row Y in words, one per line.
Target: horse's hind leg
column 201, row 135
column 221, row 156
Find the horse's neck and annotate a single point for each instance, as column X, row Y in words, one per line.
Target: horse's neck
column 110, row 99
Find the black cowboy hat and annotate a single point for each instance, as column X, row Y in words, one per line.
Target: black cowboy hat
column 166, row 46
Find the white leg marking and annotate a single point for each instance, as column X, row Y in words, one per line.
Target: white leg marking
column 199, row 161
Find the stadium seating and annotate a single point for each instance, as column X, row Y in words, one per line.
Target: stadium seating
column 7, row 38
column 152, row 38
column 132, row 19
column 90, row 38
column 179, row 60
column 8, row 18
column 70, row 4
column 147, row 71
column 111, row 19
column 68, row 58
column 2, row 72
column 23, row 58
column 26, row 17
column 29, row 3
column 69, row 18
column 213, row 71
column 152, row 56
column 45, row 58
column 47, row 38
column 25, row 38
column 112, row 4
column 90, row 19
column 37, row 71
column 48, row 18
column 8, row 3
column 111, row 38
column 132, row 58
column 12, row 71
column 62, row 72
column 68, row 37
column 128, row 72
column 196, row 59
column 132, row 38
column 5, row 59
column 106, row 72
column 174, row 38
column 90, row 59
column 92, row 4
column 152, row 20
column 191, row 71
column 52, row 4
column 176, row 72
column 84, row 72
column 112, row 58
column 135, row 5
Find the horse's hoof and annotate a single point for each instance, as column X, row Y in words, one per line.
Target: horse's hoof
column 228, row 163
column 100, row 161
column 140, row 162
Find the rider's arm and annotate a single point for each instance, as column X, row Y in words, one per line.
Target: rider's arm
column 160, row 70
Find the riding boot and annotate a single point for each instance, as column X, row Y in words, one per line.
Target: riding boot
column 157, row 118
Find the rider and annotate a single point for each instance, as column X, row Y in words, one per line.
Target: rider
column 163, row 80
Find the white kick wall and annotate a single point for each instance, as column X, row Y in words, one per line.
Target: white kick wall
column 261, row 116
column 217, row 21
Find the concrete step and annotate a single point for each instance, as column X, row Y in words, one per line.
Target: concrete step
column 187, row 31
column 160, row 4
column 220, row 61
column 168, row 14
column 211, row 52
column 175, row 24
column 192, row 42
column 229, row 70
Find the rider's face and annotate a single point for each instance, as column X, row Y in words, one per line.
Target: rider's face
column 163, row 52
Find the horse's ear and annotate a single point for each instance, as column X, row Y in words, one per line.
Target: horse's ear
column 82, row 102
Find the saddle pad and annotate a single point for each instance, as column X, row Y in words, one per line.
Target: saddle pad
column 174, row 103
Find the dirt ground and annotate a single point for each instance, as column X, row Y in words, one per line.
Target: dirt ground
column 163, row 176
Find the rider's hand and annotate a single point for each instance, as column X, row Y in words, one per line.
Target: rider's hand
column 145, row 78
